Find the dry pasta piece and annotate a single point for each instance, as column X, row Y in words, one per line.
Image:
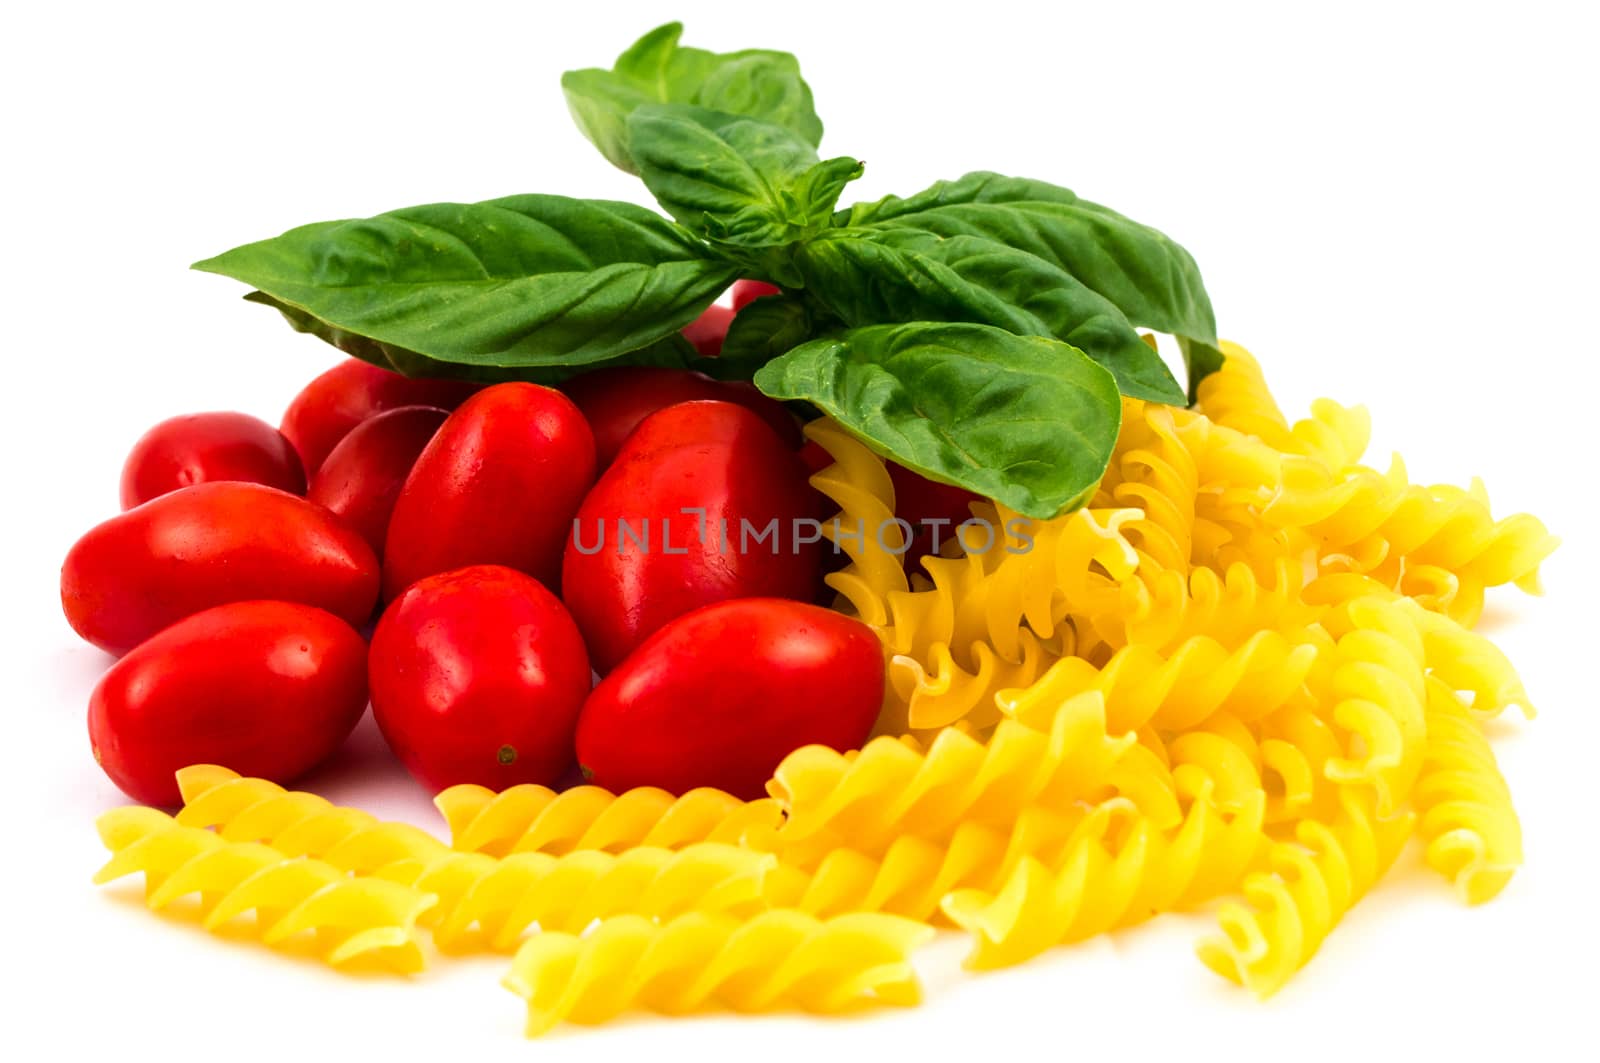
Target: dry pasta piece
column 530, row 818
column 1467, row 821
column 1118, row 869
column 297, row 823
column 894, row 787
column 501, row 899
column 775, row 959
column 1314, row 880
column 350, row 918
column 914, row 874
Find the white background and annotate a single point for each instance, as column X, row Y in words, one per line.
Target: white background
column 1392, row 204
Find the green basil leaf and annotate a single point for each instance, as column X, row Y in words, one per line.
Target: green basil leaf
column 523, row 281
column 767, row 327
column 737, row 181
column 868, row 276
column 673, row 352
column 1201, row 360
column 755, row 83
column 1148, row 276
column 1027, row 421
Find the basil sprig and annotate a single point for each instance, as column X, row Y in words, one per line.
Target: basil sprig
column 979, row 331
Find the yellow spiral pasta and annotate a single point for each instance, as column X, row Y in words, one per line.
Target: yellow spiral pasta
column 495, row 902
column 1312, row 882
column 774, row 959
column 892, row 788
column 1467, row 823
column 530, row 818
column 1118, row 869
column 350, row 918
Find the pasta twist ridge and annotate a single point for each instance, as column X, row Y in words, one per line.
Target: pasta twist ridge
column 351, row 918
column 774, row 959
column 1467, row 821
column 532, row 818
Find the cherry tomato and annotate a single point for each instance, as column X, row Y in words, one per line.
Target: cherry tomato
column 703, row 504
column 269, row 689
column 720, row 696
column 362, row 476
column 746, row 292
column 477, row 677
column 708, row 330
column 207, row 545
column 933, row 509
column 199, row 448
column 615, row 400
column 498, row 485
column 338, row 400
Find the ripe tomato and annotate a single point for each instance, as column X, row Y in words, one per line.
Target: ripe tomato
column 708, row 330
column 701, row 505
column 615, row 400
column 362, row 476
column 746, row 292
column 477, row 677
column 338, row 400
column 933, row 509
column 207, row 545
column 269, row 689
column 199, row 448
column 720, row 696
column 498, row 485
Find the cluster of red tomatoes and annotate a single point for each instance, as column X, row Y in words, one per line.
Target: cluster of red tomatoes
column 518, row 539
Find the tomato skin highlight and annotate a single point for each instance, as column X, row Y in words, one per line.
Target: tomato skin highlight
column 478, row 676
column 198, row 448
column 497, row 485
column 712, row 456
column 746, row 292
column 615, row 400
column 360, row 480
column 336, row 401
column 707, row 331
column 720, row 696
column 207, row 545
column 269, row 689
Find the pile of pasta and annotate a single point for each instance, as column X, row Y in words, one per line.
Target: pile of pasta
column 1245, row 675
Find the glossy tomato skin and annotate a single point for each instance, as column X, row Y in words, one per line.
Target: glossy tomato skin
column 208, row 545
column 361, row 477
column 933, row 509
column 720, row 696
column 615, row 400
column 269, row 689
column 707, row 331
column 478, row 676
column 714, row 457
column 341, row 398
column 199, row 448
column 497, row 485
column 746, row 292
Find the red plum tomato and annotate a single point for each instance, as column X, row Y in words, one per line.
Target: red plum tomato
column 478, row 676
column 707, row 331
column 338, row 400
column 269, row 689
column 703, row 503
column 746, row 292
column 720, row 696
column 615, row 400
column 497, row 485
column 199, row 448
column 934, row 510
column 361, row 477
column 208, row 545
